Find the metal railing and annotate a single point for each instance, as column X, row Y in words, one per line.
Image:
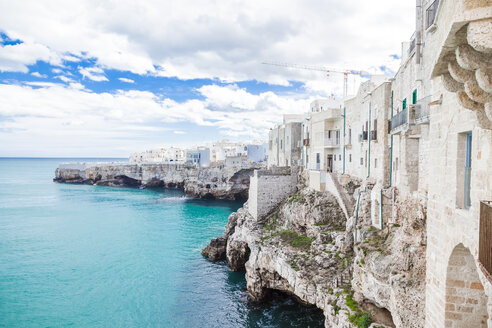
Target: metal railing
column 332, row 142
column 314, row 166
column 485, row 237
column 412, row 45
column 421, row 110
column 430, row 14
column 399, row 119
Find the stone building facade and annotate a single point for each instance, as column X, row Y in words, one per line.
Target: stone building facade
column 433, row 145
column 459, row 53
column 284, row 142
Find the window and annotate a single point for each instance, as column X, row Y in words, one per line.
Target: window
column 335, row 158
column 350, row 136
column 396, row 164
column 281, row 143
column 430, row 14
column 463, row 170
column 375, row 127
column 414, row 97
column 339, row 157
column 350, row 158
column 404, row 104
column 375, row 163
column 317, row 158
column 361, row 161
column 329, row 134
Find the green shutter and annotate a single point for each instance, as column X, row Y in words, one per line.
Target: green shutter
column 404, row 106
column 414, row 97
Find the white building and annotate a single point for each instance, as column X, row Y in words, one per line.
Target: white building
column 256, row 153
column 284, row 142
column 163, row 155
column 199, row 157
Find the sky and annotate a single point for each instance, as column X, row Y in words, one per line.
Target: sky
column 108, row 78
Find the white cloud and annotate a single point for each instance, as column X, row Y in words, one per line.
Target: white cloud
column 64, row 78
column 37, row 74
column 215, row 39
column 126, row 80
column 93, row 73
column 16, row 57
column 69, row 117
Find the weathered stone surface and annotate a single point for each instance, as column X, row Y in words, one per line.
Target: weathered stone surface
column 389, row 269
column 216, row 250
column 214, row 183
column 305, row 248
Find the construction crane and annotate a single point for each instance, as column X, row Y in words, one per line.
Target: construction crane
column 345, row 73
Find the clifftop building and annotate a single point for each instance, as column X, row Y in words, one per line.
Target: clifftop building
column 425, row 135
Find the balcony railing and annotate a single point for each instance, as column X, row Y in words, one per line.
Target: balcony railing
column 412, row 45
column 430, row 14
column 399, row 119
column 332, row 142
column 421, row 110
column 314, row 166
column 485, row 245
column 306, row 142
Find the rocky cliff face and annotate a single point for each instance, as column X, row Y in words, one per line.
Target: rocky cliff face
column 306, row 249
column 389, row 264
column 214, row 182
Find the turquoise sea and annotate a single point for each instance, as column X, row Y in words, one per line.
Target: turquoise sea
column 85, row 256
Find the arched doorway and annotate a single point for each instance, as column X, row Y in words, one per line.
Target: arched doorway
column 466, row 302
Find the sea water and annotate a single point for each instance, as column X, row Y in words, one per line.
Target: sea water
column 86, row 256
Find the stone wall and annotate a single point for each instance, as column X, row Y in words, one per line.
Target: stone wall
column 458, row 294
column 213, row 182
column 268, row 188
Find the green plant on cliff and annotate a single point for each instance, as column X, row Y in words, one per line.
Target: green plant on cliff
column 296, row 240
column 295, row 198
column 272, row 225
column 359, row 318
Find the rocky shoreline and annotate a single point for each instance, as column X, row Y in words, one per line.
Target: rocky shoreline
column 305, row 248
column 227, row 183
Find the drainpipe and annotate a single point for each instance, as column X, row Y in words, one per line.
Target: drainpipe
column 344, row 120
column 368, row 173
column 418, row 31
column 391, row 167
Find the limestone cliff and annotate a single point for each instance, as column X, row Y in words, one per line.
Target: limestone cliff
column 305, row 248
column 214, row 182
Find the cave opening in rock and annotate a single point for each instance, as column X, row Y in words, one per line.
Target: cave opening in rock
column 208, row 196
column 241, row 197
column 289, row 309
column 379, row 315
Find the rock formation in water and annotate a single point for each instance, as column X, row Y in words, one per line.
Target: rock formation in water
column 212, row 183
column 305, row 248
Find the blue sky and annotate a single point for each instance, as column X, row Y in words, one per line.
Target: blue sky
column 90, row 79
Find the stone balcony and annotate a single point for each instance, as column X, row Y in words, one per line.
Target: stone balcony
column 331, row 143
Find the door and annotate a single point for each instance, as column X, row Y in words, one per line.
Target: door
column 329, row 165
